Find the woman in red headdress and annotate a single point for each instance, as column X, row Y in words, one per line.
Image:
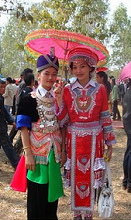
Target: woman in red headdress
column 83, row 108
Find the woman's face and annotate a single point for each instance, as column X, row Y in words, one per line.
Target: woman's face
column 2, row 89
column 99, row 79
column 81, row 70
column 48, row 77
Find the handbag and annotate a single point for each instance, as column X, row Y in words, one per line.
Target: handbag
column 106, row 198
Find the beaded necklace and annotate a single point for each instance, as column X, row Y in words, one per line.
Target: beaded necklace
column 46, row 111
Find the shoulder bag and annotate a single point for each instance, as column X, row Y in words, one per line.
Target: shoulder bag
column 106, row 198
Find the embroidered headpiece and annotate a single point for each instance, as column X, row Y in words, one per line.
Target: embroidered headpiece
column 80, row 52
column 45, row 61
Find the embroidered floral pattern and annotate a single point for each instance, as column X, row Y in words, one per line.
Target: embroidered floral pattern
column 99, row 164
column 41, row 145
column 83, row 163
column 84, row 99
column 84, row 129
column 82, row 189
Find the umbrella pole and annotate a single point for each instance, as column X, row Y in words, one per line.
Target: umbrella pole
column 62, row 72
column 64, row 60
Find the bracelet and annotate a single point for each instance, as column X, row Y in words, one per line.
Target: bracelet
column 26, row 147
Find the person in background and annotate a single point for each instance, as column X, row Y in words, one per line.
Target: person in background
column 8, row 95
column 36, row 85
column 21, row 86
column 41, row 138
column 128, row 83
column 126, row 103
column 5, row 118
column 115, row 100
column 83, row 108
column 122, row 90
column 102, row 78
column 29, row 84
column 15, row 88
column 110, row 80
column 29, row 80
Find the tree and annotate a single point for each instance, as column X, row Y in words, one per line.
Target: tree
column 54, row 14
column 16, row 8
column 91, row 18
column 13, row 60
column 9, row 43
column 120, row 40
column 49, row 15
column 71, row 15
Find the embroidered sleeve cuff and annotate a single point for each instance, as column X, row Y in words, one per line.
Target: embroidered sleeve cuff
column 109, row 143
column 59, row 110
column 105, row 117
column 23, row 121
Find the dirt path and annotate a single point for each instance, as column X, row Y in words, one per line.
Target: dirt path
column 13, row 204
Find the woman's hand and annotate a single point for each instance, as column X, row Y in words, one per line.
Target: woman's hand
column 58, row 90
column 108, row 154
column 29, row 161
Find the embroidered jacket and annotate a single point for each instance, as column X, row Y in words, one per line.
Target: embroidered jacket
column 37, row 113
column 87, row 104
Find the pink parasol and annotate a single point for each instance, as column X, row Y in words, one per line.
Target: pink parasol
column 126, row 72
column 40, row 41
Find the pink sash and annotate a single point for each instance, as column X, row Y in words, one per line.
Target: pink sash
column 19, row 180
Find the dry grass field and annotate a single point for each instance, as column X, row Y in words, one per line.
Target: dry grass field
column 13, row 204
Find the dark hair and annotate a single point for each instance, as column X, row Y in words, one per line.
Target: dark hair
column 105, row 81
column 36, row 82
column 104, row 75
column 9, row 79
column 129, row 83
column 26, row 71
column 113, row 81
column 29, row 78
column 111, row 77
column 13, row 81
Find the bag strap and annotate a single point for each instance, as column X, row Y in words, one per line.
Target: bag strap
column 108, row 173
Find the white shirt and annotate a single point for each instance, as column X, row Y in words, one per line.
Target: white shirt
column 43, row 91
column 78, row 85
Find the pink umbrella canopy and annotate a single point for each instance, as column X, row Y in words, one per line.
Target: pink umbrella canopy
column 40, row 41
column 126, row 72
